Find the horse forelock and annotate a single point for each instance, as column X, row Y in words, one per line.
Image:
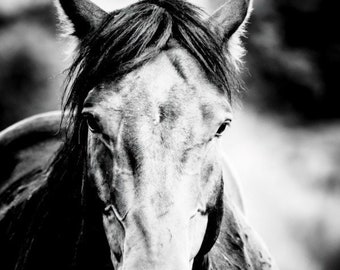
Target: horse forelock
column 131, row 37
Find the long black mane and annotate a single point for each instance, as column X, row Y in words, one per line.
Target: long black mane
column 60, row 226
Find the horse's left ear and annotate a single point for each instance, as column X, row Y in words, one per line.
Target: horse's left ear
column 229, row 23
column 82, row 16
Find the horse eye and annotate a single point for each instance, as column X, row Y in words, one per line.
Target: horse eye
column 92, row 123
column 222, row 128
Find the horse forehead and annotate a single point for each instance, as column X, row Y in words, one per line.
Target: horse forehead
column 174, row 77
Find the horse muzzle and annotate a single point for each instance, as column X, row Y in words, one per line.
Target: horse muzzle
column 167, row 242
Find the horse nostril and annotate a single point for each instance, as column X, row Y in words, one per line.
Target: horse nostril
column 118, row 256
column 199, row 211
column 108, row 211
column 202, row 211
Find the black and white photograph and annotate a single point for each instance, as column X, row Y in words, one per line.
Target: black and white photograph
column 169, row 135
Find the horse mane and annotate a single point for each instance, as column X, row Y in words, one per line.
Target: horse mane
column 64, row 214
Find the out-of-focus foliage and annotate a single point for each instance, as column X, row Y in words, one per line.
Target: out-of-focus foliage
column 294, row 56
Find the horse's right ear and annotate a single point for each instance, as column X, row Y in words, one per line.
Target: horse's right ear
column 229, row 22
column 82, row 16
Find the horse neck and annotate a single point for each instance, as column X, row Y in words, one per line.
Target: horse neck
column 238, row 246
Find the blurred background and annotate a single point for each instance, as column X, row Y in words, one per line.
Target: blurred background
column 285, row 140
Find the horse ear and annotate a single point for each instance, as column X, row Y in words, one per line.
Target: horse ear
column 229, row 23
column 82, row 16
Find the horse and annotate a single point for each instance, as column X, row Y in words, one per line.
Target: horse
column 130, row 174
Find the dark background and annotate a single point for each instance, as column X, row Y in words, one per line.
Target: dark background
column 285, row 142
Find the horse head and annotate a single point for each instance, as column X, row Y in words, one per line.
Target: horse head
column 153, row 83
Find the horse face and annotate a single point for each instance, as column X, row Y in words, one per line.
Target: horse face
column 153, row 156
column 153, row 145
